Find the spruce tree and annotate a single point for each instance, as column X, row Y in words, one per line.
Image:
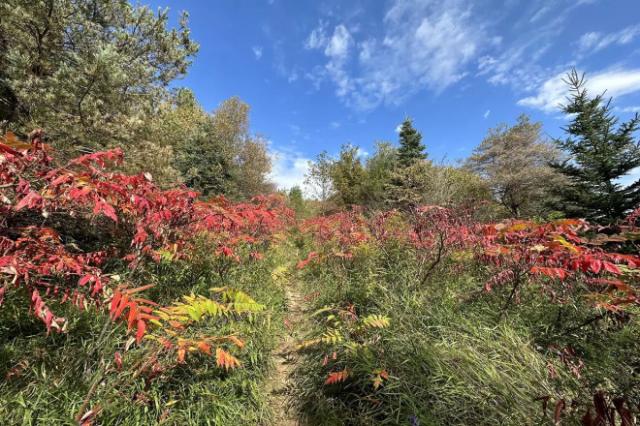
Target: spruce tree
column 411, row 148
column 600, row 152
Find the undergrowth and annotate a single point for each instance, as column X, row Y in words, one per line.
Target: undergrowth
column 452, row 352
column 51, row 377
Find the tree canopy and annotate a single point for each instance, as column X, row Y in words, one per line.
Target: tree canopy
column 515, row 161
column 88, row 72
column 600, row 152
column 411, row 148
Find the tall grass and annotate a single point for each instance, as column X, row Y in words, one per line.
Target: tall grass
column 452, row 357
column 52, row 378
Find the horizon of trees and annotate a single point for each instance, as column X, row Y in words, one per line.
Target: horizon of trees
column 515, row 171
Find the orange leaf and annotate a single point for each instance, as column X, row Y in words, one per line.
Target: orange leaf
column 204, row 347
column 124, row 300
column 239, row 343
column 226, row 360
column 133, row 314
column 142, row 327
column 114, row 303
column 337, row 377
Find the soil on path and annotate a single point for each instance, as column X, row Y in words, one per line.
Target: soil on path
column 280, row 385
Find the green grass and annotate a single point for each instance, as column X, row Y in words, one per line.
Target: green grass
column 453, row 358
column 60, row 370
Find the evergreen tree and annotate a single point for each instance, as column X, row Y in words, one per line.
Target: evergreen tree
column 89, row 72
column 599, row 153
column 411, row 148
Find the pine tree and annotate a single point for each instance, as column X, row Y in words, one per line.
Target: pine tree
column 411, row 148
column 599, row 154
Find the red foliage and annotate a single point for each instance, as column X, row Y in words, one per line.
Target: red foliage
column 557, row 252
column 48, row 210
column 560, row 251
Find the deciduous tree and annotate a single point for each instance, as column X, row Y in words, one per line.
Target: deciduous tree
column 515, row 161
column 318, row 178
column 348, row 177
column 221, row 156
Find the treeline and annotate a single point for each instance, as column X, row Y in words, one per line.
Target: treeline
column 96, row 74
column 515, row 171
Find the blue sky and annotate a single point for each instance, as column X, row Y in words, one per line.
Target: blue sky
column 319, row 74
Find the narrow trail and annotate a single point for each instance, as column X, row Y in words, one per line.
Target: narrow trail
column 280, row 385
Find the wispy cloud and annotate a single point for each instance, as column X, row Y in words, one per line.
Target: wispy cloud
column 257, row 52
column 486, row 114
column 318, row 37
column 594, row 41
column 424, row 44
column 628, row 109
column 551, row 94
column 518, row 61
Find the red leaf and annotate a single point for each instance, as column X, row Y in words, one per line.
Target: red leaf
column 550, row 272
column 118, row 359
column 612, row 268
column 595, row 265
column 142, row 327
column 84, row 280
column 114, row 304
column 557, row 413
column 133, row 315
column 106, row 209
column 31, row 200
column 337, row 377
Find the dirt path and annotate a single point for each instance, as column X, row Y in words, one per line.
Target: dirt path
column 280, row 385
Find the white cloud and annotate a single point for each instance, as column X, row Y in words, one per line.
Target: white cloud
column 630, row 178
column 425, row 44
column 540, row 13
column 339, row 44
column 517, row 62
column 334, row 124
column 257, row 51
column 595, row 41
column 337, row 50
column 288, row 169
column 399, row 128
column 486, row 114
column 318, row 37
column 293, row 76
column 552, row 93
column 631, row 109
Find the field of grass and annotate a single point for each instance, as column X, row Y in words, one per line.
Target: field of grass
column 134, row 305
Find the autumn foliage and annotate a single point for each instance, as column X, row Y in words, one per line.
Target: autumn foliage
column 569, row 263
column 63, row 225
